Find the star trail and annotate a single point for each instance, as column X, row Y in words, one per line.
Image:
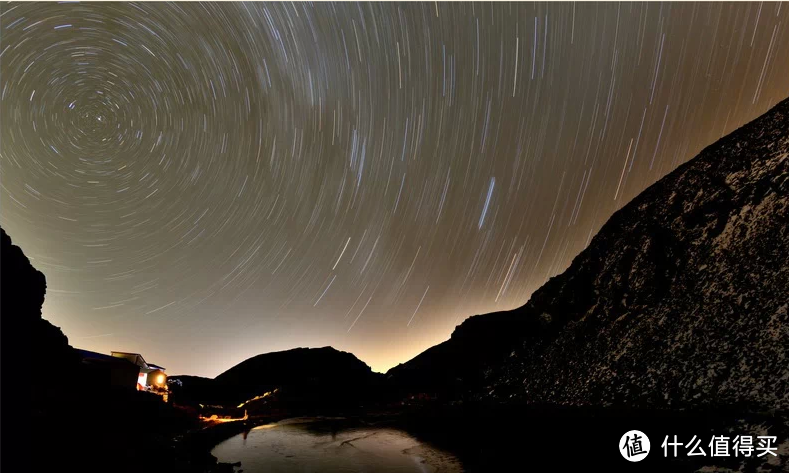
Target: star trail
column 203, row 182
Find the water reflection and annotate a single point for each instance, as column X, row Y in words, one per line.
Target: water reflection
column 319, row 445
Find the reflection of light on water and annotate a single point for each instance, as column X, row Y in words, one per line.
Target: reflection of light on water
column 295, row 446
column 297, row 421
column 264, row 427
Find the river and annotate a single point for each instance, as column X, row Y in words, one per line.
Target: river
column 321, row 445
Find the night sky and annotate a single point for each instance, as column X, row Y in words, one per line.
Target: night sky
column 201, row 183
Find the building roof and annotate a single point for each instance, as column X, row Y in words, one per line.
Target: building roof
column 85, row 354
column 133, row 358
column 137, row 359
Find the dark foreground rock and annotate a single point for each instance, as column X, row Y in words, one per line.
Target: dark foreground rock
column 56, row 417
column 36, row 359
column 490, row 436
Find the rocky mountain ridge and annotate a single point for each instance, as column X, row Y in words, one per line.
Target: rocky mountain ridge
column 680, row 300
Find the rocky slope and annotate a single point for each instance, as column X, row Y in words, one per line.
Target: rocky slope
column 680, row 300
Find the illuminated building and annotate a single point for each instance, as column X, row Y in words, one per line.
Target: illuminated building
column 122, row 369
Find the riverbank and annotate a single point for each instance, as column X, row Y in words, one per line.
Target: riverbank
column 486, row 437
column 334, row 444
column 193, row 447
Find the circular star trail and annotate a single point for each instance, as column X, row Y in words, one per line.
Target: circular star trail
column 204, row 182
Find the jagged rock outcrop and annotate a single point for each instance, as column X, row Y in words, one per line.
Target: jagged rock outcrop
column 680, row 300
column 36, row 360
column 36, row 356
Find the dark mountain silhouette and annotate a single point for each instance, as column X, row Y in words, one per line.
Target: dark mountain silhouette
column 451, row 368
column 57, row 414
column 45, row 350
column 302, row 377
column 680, row 300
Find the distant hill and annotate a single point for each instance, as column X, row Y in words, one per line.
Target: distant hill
column 306, row 377
column 680, row 299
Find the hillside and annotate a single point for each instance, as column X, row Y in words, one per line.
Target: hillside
column 679, row 300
